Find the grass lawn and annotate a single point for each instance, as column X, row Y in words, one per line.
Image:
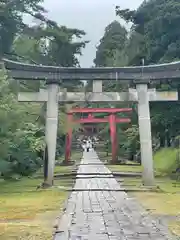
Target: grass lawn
column 27, row 214
column 125, row 168
column 164, row 162
column 57, row 170
column 64, row 169
column 75, row 156
column 163, row 203
column 174, row 226
column 102, row 156
column 159, row 203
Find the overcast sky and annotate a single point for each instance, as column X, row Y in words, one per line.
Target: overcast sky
column 92, row 16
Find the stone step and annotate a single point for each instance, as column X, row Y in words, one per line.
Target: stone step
column 93, row 176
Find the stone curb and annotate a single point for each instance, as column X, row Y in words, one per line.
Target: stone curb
column 59, row 218
column 109, row 190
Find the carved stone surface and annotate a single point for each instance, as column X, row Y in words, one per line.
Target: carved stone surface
column 105, row 215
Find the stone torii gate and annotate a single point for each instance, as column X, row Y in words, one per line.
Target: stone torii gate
column 111, row 119
column 139, row 76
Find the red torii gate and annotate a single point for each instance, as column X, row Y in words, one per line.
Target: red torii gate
column 112, row 119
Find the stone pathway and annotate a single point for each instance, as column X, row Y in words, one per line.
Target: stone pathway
column 98, row 210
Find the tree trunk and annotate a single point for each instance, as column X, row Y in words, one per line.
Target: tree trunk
column 168, row 139
column 162, row 141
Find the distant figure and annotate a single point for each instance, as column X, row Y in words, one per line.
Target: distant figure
column 88, row 145
column 83, row 146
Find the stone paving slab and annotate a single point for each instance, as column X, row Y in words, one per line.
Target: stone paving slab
column 105, row 215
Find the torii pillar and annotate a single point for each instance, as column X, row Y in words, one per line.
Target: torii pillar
column 113, row 136
column 145, row 134
column 51, row 130
column 68, row 137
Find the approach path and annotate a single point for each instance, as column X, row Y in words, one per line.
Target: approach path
column 97, row 209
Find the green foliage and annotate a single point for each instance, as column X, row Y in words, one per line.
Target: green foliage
column 19, row 143
column 157, row 21
column 11, row 20
column 44, row 43
column 50, row 45
column 130, row 143
column 110, row 50
column 167, row 161
column 62, row 50
column 23, row 154
column 29, row 48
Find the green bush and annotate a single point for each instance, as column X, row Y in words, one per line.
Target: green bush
column 166, row 162
column 20, row 142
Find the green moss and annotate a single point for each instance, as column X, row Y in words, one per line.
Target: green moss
column 165, row 161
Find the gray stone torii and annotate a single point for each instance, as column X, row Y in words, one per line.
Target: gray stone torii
column 54, row 75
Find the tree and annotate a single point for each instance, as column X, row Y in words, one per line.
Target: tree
column 157, row 21
column 110, row 50
column 51, row 45
column 135, row 48
column 11, row 20
column 28, row 49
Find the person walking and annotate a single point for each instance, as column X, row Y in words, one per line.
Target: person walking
column 88, row 146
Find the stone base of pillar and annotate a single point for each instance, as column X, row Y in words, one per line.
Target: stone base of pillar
column 44, row 185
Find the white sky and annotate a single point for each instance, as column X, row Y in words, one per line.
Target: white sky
column 92, row 16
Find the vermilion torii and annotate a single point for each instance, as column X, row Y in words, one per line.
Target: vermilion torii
column 112, row 119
